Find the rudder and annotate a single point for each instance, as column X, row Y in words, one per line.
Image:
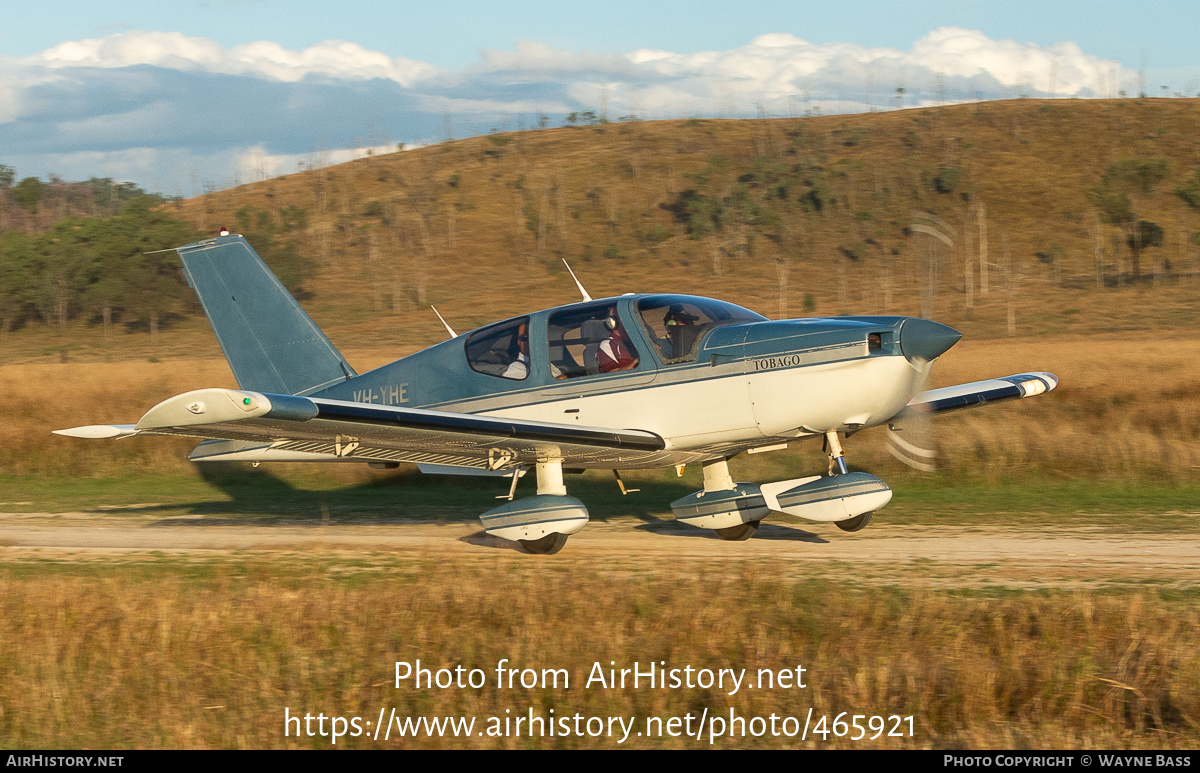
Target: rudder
column 270, row 342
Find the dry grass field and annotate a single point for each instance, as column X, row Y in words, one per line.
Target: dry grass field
column 165, row 653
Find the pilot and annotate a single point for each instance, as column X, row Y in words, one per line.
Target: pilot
column 615, row 352
column 681, row 331
column 519, row 367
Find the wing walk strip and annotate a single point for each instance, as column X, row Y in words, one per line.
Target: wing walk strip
column 379, row 454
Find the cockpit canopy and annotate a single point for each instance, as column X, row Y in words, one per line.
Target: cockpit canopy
column 677, row 323
column 601, row 337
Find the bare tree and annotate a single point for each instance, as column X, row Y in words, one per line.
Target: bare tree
column 782, row 268
column 981, row 211
column 1014, row 278
column 968, row 269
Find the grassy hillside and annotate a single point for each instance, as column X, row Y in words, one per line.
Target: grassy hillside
column 819, row 215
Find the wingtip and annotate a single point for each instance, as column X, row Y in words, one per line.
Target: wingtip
column 98, row 431
column 1038, row 383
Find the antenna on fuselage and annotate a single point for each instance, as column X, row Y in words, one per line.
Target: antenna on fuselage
column 449, row 329
column 582, row 291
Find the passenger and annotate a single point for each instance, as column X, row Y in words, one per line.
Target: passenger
column 594, row 333
column 615, row 352
column 519, row 367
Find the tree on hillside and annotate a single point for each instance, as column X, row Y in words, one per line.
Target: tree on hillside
column 85, row 266
column 1190, row 192
column 29, row 194
column 1122, row 188
column 154, row 284
column 58, row 262
column 15, row 274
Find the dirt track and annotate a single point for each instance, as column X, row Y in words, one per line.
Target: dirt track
column 956, row 556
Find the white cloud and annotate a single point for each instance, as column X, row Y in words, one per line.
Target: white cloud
column 332, row 58
column 777, row 65
column 1063, row 67
column 166, row 110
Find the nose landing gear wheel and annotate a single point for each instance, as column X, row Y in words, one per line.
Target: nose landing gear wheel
column 738, row 533
column 857, row 523
column 545, row 546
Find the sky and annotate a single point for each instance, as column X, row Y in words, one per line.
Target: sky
column 203, row 94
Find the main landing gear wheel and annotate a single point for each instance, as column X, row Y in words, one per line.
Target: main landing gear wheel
column 857, row 523
column 545, row 546
column 738, row 533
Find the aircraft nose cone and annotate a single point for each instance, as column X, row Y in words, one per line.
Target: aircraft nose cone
column 921, row 339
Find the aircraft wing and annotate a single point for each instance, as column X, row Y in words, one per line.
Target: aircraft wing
column 954, row 398
column 254, row 426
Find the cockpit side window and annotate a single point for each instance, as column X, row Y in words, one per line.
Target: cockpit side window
column 501, row 350
column 677, row 324
column 588, row 341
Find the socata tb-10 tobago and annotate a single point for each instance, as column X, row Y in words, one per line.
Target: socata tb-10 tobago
column 637, row 381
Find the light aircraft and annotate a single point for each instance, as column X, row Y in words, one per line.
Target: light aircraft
column 631, row 382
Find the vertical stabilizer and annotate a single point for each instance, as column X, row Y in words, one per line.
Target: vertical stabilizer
column 271, row 343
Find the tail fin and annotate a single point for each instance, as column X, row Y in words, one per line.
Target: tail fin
column 271, row 344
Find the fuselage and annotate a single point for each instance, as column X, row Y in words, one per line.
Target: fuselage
column 710, row 378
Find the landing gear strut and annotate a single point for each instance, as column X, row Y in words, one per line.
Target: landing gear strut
column 837, row 457
column 837, row 460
